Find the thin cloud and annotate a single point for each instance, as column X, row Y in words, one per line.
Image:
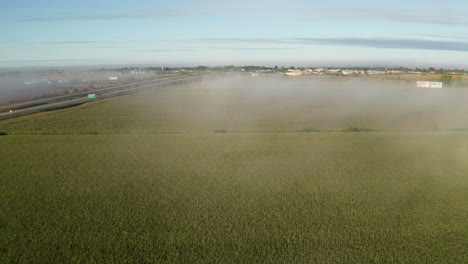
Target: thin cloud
column 278, row 8
column 441, row 17
column 154, row 14
column 108, row 47
column 388, row 43
column 447, row 36
column 422, row 16
column 256, row 49
column 71, row 42
column 165, row 50
column 244, row 40
column 369, row 13
column 39, row 61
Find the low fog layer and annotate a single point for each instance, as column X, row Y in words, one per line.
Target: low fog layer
column 246, row 103
column 27, row 85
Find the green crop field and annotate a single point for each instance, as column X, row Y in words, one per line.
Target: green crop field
column 236, row 172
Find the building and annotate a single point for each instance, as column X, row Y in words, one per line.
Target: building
column 293, row 73
column 374, row 72
column 349, row 72
column 424, row 84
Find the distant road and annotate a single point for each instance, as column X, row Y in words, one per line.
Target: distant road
column 161, row 83
column 35, row 108
column 12, row 106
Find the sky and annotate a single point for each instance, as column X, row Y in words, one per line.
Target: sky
column 189, row 33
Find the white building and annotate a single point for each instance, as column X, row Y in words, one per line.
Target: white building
column 349, row 72
column 373, row 72
column 424, row 84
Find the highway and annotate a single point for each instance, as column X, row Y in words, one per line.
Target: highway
column 160, row 83
column 12, row 106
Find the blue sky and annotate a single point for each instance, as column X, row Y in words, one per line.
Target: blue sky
column 301, row 33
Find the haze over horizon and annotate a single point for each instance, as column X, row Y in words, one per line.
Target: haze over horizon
column 300, row 33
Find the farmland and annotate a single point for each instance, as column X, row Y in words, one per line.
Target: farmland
column 240, row 172
column 255, row 105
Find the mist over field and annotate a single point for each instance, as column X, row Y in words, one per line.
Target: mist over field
column 13, row 88
column 243, row 103
column 240, row 103
column 24, row 85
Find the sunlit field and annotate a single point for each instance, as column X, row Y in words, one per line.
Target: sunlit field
column 240, row 171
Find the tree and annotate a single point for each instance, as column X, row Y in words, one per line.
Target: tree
column 446, row 79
